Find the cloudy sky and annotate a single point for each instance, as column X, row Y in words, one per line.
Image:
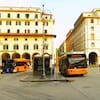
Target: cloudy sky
column 65, row 12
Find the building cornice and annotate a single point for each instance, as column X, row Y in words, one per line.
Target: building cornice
column 30, row 34
column 23, row 10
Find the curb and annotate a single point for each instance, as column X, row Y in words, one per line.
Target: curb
column 47, row 80
column 30, row 78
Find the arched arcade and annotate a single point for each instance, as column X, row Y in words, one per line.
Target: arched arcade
column 93, row 58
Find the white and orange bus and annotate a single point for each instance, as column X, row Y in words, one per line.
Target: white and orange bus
column 73, row 63
column 21, row 65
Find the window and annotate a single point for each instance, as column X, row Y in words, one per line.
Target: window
column 45, row 39
column 36, row 23
column 92, row 28
column 51, row 17
column 27, row 31
column 6, row 39
column 36, row 47
column 0, row 22
column 18, row 15
column 8, row 22
column 18, row 23
column 36, row 15
column 92, row 20
column 27, row 23
column 45, row 23
column 8, row 31
column 45, row 46
column 35, row 39
column 92, row 44
column 5, row 47
column 16, row 47
column 36, row 31
column 45, row 31
column 46, row 17
column 18, row 31
column 27, row 15
column 26, row 39
column 26, row 47
column 8, row 15
column 92, row 36
column 15, row 39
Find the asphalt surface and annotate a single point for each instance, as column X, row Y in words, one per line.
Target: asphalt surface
column 29, row 77
column 82, row 88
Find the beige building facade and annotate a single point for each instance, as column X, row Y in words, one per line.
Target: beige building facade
column 26, row 32
column 85, row 36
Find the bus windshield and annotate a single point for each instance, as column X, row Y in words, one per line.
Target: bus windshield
column 20, row 63
column 77, row 62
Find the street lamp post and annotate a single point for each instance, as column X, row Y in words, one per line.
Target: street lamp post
column 43, row 47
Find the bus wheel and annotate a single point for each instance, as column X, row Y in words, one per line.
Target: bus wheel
column 1, row 72
column 82, row 75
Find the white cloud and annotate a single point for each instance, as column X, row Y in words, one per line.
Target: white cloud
column 15, row 3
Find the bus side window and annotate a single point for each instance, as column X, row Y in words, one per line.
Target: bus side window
column 67, row 62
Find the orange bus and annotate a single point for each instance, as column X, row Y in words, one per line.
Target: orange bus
column 21, row 65
column 73, row 63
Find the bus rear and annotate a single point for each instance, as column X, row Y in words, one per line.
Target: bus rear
column 77, row 64
column 21, row 65
column 73, row 63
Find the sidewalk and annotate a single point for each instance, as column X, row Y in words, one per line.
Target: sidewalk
column 94, row 70
column 30, row 78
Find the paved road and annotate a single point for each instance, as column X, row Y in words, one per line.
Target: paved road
column 82, row 88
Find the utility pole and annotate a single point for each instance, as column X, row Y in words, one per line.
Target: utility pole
column 43, row 44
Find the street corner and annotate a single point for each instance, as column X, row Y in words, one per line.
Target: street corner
column 39, row 79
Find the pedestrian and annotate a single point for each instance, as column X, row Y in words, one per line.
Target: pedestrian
column 53, row 70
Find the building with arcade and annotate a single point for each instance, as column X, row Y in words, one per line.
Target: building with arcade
column 26, row 32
